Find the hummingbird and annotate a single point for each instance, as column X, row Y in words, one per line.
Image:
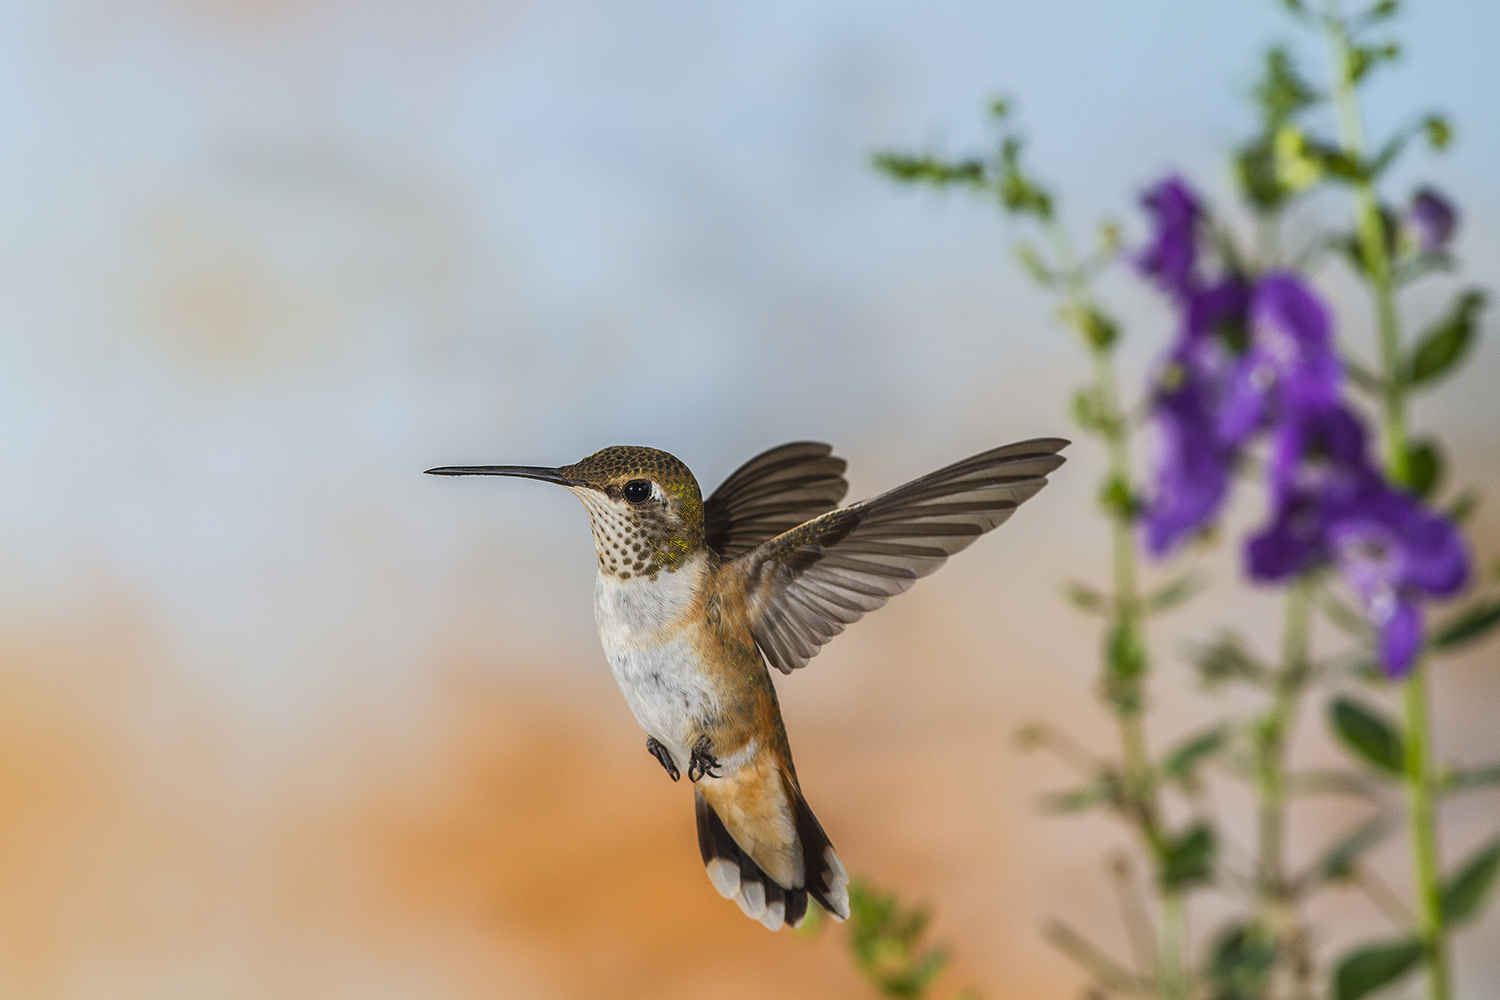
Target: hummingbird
column 695, row 599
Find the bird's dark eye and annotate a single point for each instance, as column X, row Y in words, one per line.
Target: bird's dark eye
column 637, row 490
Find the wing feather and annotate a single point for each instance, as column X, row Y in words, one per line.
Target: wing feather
column 808, row 582
column 772, row 493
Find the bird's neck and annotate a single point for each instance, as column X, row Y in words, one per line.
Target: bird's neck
column 646, row 609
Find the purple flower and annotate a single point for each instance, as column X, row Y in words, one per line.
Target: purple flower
column 1194, row 457
column 1246, row 355
column 1331, row 505
column 1173, row 253
column 1290, row 363
column 1192, row 471
column 1316, row 469
column 1434, row 218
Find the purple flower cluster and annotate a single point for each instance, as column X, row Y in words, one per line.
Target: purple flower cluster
column 1257, row 356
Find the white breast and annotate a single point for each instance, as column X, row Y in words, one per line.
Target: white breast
column 651, row 654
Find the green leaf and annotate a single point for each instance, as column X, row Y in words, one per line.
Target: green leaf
column 1444, row 344
column 1098, row 329
column 1299, row 163
column 1018, row 193
column 1424, row 467
column 1182, row 763
column 1116, row 498
column 1387, row 155
column 1110, row 240
column 1338, row 863
column 1371, row 737
column 1000, row 108
column 1347, row 619
column 1335, row 783
column 1362, row 377
column 1465, row 504
column 1089, row 413
column 1255, row 169
column 1174, row 593
column 1031, row 261
column 1423, row 263
column 886, row 939
column 1241, row 962
column 1382, row 10
column 1282, row 92
column 1125, row 666
column 1087, row 599
column 1472, row 623
column 1227, row 660
column 1186, row 859
column 1471, row 778
column 1367, row 969
column 1464, row 892
column 1363, row 58
column 1337, row 162
column 1076, row 800
column 1439, row 132
column 930, row 170
column 1110, row 973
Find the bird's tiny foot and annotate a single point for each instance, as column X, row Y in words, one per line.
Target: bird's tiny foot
column 664, row 757
column 703, row 761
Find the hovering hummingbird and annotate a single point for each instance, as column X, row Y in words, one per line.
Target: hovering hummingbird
column 695, row 597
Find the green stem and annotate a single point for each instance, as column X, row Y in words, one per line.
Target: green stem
column 1430, row 922
column 1126, row 618
column 1418, row 783
column 1116, row 433
column 1172, row 981
column 1373, row 250
column 1275, row 728
column 1276, row 903
column 1126, row 625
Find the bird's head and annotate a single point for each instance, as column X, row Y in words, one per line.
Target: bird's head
column 645, row 508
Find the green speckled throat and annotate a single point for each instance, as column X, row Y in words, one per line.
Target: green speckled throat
column 639, row 539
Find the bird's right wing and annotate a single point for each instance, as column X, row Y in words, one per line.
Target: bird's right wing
column 806, row 584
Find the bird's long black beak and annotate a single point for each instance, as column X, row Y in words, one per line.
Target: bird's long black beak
column 518, row 471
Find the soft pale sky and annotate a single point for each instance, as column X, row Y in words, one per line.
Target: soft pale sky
column 261, row 262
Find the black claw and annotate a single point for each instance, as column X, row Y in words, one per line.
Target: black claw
column 703, row 761
column 664, row 757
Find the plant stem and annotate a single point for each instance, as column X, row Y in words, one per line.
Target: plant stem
column 1373, row 250
column 1418, row 783
column 1126, row 625
column 1276, row 903
column 1172, row 980
column 1424, row 834
column 1126, row 616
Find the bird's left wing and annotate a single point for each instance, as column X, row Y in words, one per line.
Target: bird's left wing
column 806, row 584
column 774, row 491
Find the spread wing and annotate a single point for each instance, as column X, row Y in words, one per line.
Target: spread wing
column 806, row 584
column 773, row 492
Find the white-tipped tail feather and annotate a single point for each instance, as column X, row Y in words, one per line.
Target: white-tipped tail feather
column 736, row 876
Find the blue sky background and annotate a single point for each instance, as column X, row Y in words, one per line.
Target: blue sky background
column 261, row 261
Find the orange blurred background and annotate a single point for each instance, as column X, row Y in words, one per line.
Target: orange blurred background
column 280, row 717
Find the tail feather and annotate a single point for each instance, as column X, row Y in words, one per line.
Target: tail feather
column 736, row 876
column 739, row 878
column 826, row 880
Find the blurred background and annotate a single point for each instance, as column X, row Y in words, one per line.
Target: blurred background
column 281, row 717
